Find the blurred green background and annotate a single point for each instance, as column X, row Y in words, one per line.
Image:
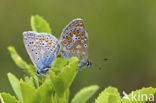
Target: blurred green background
column 124, row 31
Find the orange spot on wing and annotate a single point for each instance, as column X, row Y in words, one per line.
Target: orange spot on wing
column 64, row 42
column 46, row 40
column 50, row 42
column 54, row 46
column 71, row 34
column 78, row 31
column 85, row 37
column 74, row 32
column 77, row 24
column 67, row 37
column 81, row 24
column 82, row 34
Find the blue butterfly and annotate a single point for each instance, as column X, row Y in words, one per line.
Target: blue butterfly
column 42, row 49
column 74, row 40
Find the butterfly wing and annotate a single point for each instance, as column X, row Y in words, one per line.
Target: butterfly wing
column 42, row 48
column 74, row 40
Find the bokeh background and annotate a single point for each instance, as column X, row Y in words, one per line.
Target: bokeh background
column 124, row 31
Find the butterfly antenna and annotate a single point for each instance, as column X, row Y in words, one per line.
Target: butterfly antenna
column 101, row 60
column 99, row 67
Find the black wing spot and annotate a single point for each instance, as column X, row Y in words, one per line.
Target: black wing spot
column 85, row 45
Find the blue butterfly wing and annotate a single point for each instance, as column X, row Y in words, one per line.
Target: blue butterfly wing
column 74, row 40
column 42, row 48
column 47, row 60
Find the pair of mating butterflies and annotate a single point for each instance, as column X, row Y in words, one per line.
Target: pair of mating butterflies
column 43, row 48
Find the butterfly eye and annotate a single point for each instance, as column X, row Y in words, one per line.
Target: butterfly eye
column 37, row 73
column 89, row 64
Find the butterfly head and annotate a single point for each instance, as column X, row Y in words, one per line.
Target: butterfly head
column 42, row 72
column 85, row 64
column 89, row 64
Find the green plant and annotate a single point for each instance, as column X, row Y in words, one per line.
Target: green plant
column 55, row 86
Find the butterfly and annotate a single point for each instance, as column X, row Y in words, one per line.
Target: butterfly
column 42, row 49
column 74, row 40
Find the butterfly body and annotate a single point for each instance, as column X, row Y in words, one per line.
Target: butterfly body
column 74, row 40
column 42, row 49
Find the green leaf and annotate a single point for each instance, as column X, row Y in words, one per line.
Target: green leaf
column 7, row 98
column 36, row 81
column 38, row 24
column 16, row 86
column 84, row 94
column 32, row 81
column 67, row 96
column 29, row 93
column 109, row 95
column 63, row 80
column 60, row 63
column 45, row 93
column 140, row 96
column 29, row 80
column 30, row 69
